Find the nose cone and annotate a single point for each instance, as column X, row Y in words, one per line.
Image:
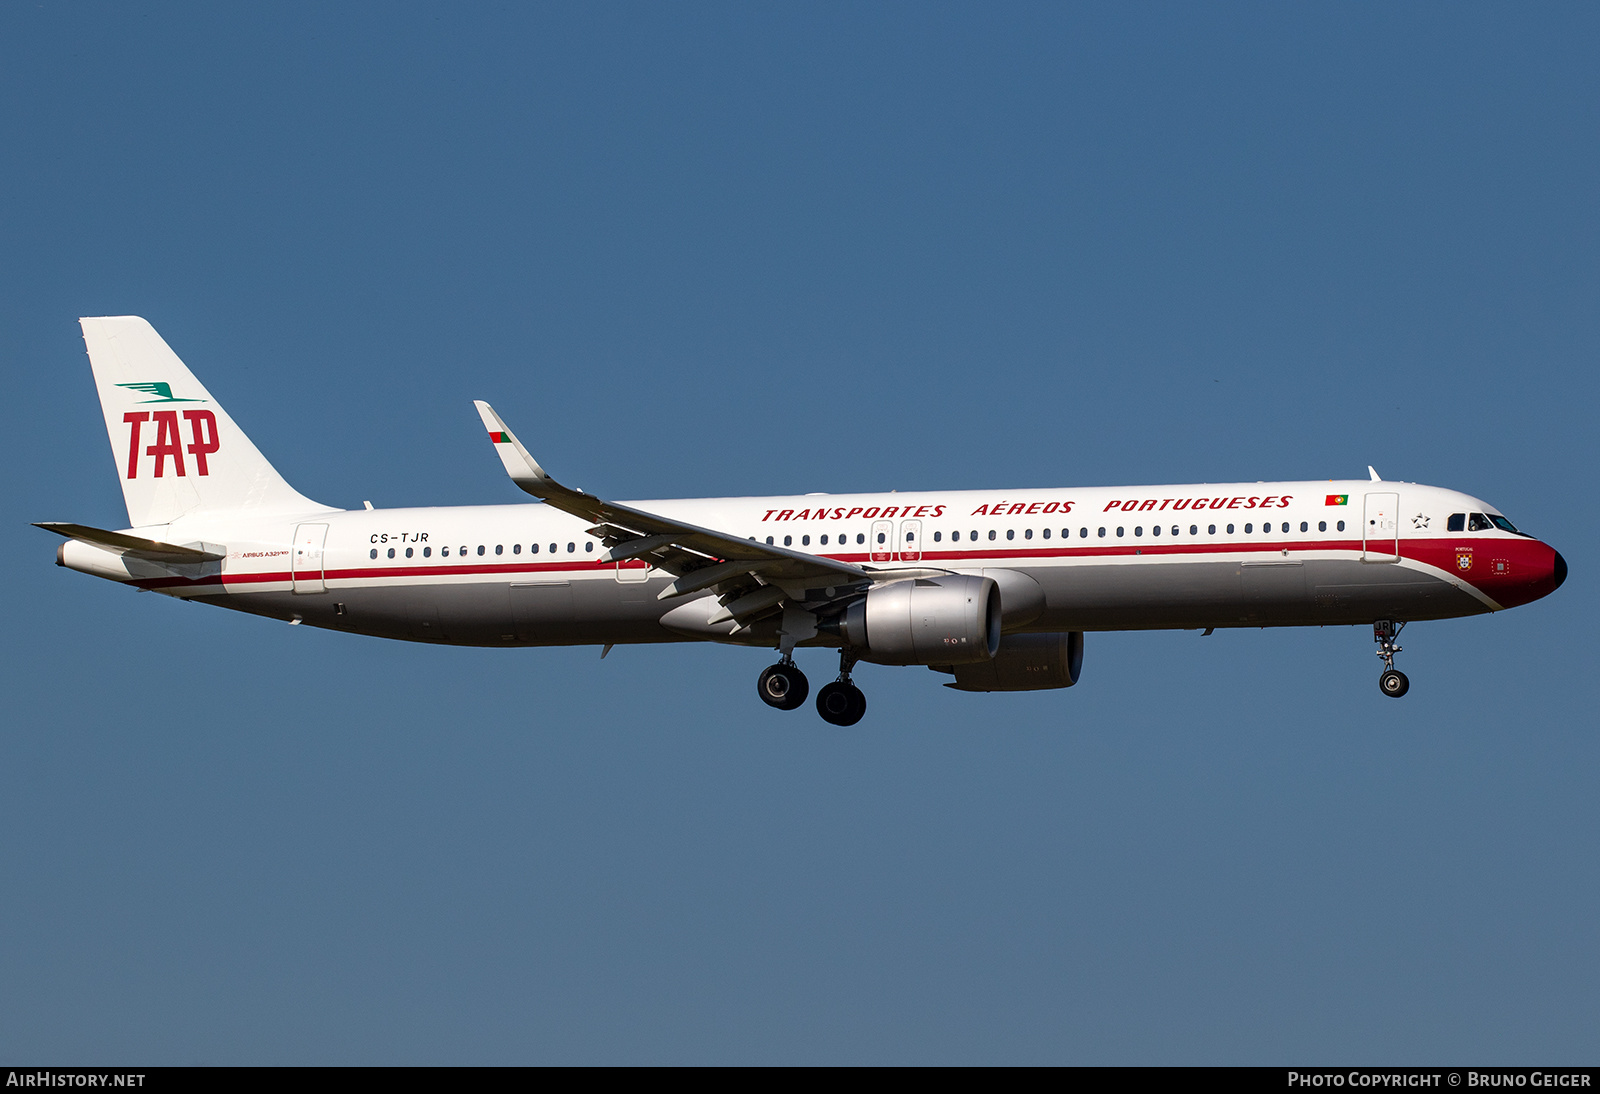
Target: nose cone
column 1533, row 569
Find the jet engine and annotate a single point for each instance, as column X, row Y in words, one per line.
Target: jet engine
column 1024, row 662
column 946, row 620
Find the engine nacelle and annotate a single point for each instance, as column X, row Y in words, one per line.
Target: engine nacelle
column 1025, row 662
column 928, row 621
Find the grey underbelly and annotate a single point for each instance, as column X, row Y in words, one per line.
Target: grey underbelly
column 1087, row 597
column 1229, row 594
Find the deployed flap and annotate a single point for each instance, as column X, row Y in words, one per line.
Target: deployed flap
column 134, row 546
column 683, row 547
column 177, row 451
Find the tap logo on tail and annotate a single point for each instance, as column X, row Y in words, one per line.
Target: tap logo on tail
column 162, row 392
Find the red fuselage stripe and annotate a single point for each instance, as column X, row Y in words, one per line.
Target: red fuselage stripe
column 1412, row 549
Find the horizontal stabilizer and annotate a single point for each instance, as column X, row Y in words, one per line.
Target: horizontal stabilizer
column 135, row 546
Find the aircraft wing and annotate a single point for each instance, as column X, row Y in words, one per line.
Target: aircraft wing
column 702, row 558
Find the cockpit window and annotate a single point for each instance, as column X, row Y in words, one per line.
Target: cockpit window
column 1502, row 523
column 1477, row 522
column 1456, row 523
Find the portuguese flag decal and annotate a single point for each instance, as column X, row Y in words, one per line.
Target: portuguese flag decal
column 505, row 438
column 1333, row 499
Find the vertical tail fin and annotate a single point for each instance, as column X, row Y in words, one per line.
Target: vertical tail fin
column 177, row 451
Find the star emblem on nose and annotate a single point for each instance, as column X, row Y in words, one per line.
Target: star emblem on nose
column 1419, row 521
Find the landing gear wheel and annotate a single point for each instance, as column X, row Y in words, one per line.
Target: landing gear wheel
column 1393, row 683
column 841, row 703
column 782, row 686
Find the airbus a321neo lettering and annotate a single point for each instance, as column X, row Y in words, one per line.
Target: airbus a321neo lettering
column 993, row 588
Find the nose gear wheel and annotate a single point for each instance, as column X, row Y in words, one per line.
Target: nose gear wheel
column 1393, row 682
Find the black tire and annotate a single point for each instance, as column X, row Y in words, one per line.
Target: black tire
column 841, row 704
column 782, row 686
column 858, row 705
column 1393, row 683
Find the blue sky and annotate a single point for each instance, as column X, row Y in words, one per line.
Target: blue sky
column 744, row 249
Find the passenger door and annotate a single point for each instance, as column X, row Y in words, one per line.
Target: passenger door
column 305, row 566
column 1380, row 532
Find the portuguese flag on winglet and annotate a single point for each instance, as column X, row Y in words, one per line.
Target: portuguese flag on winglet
column 505, row 438
column 1333, row 499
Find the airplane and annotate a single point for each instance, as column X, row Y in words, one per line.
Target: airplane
column 993, row 588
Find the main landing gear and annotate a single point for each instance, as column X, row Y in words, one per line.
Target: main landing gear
column 841, row 702
column 1393, row 682
column 785, row 687
column 782, row 685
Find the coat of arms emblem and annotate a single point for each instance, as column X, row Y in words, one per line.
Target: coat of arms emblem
column 1463, row 560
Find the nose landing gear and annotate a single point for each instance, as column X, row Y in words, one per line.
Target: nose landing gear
column 782, row 685
column 841, row 702
column 1393, row 682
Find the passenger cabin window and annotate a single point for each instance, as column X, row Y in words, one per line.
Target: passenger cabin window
column 481, row 548
column 374, row 553
column 408, row 552
column 936, row 536
column 1322, row 526
column 499, row 548
column 1456, row 523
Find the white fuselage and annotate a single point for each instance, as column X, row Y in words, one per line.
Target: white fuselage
column 1257, row 554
